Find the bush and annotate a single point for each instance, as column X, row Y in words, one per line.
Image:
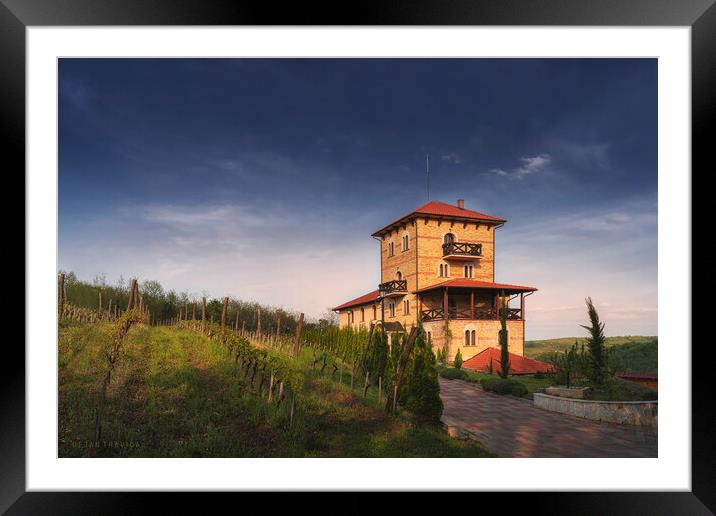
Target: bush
column 504, row 386
column 452, row 373
column 420, row 393
column 457, row 362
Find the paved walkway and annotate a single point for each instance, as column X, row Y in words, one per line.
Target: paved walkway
column 513, row 428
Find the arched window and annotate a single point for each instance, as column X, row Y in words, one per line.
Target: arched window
column 468, row 271
column 375, row 312
column 391, row 248
column 449, row 238
column 399, row 276
column 467, row 337
column 405, row 241
column 362, row 314
column 472, row 338
column 444, row 270
column 406, row 307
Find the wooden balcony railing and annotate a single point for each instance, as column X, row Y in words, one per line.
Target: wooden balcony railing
column 432, row 315
column 513, row 314
column 390, row 287
column 462, row 249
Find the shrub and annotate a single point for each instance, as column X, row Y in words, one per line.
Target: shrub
column 452, row 373
column 457, row 363
column 421, row 391
column 504, row 386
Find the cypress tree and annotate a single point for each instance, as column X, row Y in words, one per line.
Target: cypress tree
column 421, row 395
column 378, row 354
column 503, row 337
column 595, row 346
column 457, row 362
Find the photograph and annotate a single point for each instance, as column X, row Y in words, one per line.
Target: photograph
column 357, row 257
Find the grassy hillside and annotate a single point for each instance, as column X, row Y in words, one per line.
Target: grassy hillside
column 635, row 353
column 176, row 393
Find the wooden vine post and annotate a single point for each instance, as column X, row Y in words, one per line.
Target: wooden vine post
column 109, row 309
column 223, row 314
column 278, row 326
column 203, row 314
column 100, row 301
column 258, row 322
column 405, row 355
column 297, row 342
column 236, row 323
column 61, row 308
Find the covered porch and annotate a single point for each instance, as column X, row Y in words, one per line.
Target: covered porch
column 471, row 300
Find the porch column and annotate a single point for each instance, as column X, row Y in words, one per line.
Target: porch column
column 445, row 303
column 522, row 306
column 472, row 304
column 420, row 307
column 496, row 304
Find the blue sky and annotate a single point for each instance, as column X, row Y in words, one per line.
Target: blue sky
column 264, row 178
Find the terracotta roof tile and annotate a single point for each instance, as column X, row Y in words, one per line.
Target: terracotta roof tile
column 518, row 365
column 468, row 283
column 370, row 297
column 442, row 209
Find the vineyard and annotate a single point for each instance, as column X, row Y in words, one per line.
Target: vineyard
column 134, row 385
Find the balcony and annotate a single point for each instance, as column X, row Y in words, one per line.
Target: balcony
column 461, row 251
column 394, row 288
column 478, row 314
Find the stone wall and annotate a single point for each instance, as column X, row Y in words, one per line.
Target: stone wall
column 640, row 413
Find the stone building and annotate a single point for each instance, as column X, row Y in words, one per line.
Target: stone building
column 437, row 264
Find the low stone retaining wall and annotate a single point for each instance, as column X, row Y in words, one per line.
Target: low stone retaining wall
column 640, row 413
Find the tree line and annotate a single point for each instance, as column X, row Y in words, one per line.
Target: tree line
column 169, row 304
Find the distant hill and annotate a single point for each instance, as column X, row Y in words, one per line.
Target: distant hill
column 637, row 354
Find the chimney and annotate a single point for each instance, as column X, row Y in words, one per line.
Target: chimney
column 461, row 204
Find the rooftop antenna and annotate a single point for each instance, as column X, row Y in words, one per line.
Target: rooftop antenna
column 427, row 172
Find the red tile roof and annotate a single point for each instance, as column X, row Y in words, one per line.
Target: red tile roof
column 468, row 283
column 518, row 365
column 441, row 209
column 370, row 297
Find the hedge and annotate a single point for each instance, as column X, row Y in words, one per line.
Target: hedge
column 451, row 373
column 504, row 386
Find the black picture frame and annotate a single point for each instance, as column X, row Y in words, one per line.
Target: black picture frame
column 700, row 15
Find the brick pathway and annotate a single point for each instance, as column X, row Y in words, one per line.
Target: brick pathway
column 514, row 428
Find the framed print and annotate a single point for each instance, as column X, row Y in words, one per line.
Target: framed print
column 298, row 251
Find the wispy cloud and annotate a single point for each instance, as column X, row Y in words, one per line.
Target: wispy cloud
column 529, row 166
column 452, row 158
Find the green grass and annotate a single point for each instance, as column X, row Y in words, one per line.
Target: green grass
column 636, row 354
column 175, row 393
